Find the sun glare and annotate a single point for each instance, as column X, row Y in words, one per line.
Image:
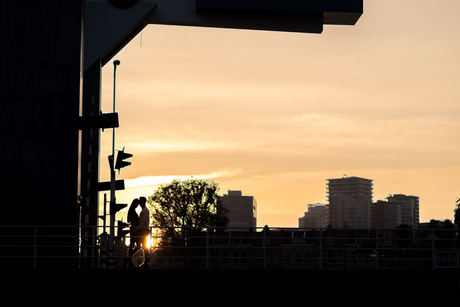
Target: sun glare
column 149, row 242
column 153, row 239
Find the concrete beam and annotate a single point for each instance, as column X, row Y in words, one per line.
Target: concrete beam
column 338, row 12
column 108, row 29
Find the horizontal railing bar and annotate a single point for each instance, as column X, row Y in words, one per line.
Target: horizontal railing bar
column 320, row 244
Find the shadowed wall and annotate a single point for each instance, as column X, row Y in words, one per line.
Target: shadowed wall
column 39, row 101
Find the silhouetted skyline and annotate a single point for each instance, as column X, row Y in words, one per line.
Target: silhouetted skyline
column 274, row 114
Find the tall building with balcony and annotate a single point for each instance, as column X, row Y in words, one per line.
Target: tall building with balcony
column 315, row 217
column 349, row 200
column 410, row 208
column 242, row 210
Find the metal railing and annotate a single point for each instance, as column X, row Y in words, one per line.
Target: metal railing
column 236, row 248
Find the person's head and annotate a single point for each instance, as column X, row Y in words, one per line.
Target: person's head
column 142, row 201
column 134, row 203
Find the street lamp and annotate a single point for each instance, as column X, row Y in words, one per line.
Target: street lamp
column 112, row 176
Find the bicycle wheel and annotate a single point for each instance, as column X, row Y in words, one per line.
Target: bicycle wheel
column 137, row 258
column 365, row 259
column 405, row 258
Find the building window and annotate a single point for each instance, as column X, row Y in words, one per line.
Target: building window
column 307, row 257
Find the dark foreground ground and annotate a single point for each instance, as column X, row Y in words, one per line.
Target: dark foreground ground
column 142, row 287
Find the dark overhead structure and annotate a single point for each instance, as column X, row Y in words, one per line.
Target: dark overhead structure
column 103, row 18
column 39, row 101
column 51, row 59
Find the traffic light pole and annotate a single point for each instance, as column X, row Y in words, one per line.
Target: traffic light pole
column 112, row 166
column 120, row 163
column 112, row 179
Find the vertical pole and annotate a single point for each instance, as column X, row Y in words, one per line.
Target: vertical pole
column 207, row 248
column 264, row 245
column 95, row 254
column 91, row 106
column 377, row 249
column 433, row 253
column 320, row 248
column 112, row 177
column 35, row 247
column 115, row 64
column 112, row 169
column 112, row 216
column 88, row 191
column 103, row 246
column 150, row 248
column 104, row 222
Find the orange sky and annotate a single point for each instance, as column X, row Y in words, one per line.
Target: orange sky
column 276, row 114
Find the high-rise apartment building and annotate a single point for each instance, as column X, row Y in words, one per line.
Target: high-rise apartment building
column 349, row 200
column 242, row 210
column 315, row 217
column 410, row 208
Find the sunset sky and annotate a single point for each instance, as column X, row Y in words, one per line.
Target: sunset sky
column 275, row 114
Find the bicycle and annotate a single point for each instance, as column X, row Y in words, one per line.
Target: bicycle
column 136, row 259
column 367, row 256
column 399, row 253
column 137, row 255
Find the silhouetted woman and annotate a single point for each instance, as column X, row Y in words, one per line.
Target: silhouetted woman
column 133, row 221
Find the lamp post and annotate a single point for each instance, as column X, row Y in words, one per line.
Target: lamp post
column 112, row 160
column 112, row 178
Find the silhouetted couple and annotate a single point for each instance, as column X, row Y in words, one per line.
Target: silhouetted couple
column 139, row 229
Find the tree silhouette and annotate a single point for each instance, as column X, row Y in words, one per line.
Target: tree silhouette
column 185, row 209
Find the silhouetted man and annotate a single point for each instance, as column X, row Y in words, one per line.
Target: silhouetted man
column 144, row 223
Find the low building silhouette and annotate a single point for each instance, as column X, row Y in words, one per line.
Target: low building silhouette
column 410, row 208
column 242, row 210
column 315, row 217
column 386, row 214
column 349, row 200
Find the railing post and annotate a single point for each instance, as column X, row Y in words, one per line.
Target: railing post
column 95, row 252
column 264, row 251
column 377, row 248
column 207, row 248
column 35, row 247
column 320, row 248
column 150, row 244
column 433, row 254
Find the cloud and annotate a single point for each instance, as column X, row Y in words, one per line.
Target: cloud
column 157, row 180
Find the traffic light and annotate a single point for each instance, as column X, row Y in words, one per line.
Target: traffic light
column 120, row 163
column 120, row 231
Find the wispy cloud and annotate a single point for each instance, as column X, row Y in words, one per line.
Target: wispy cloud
column 157, row 180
